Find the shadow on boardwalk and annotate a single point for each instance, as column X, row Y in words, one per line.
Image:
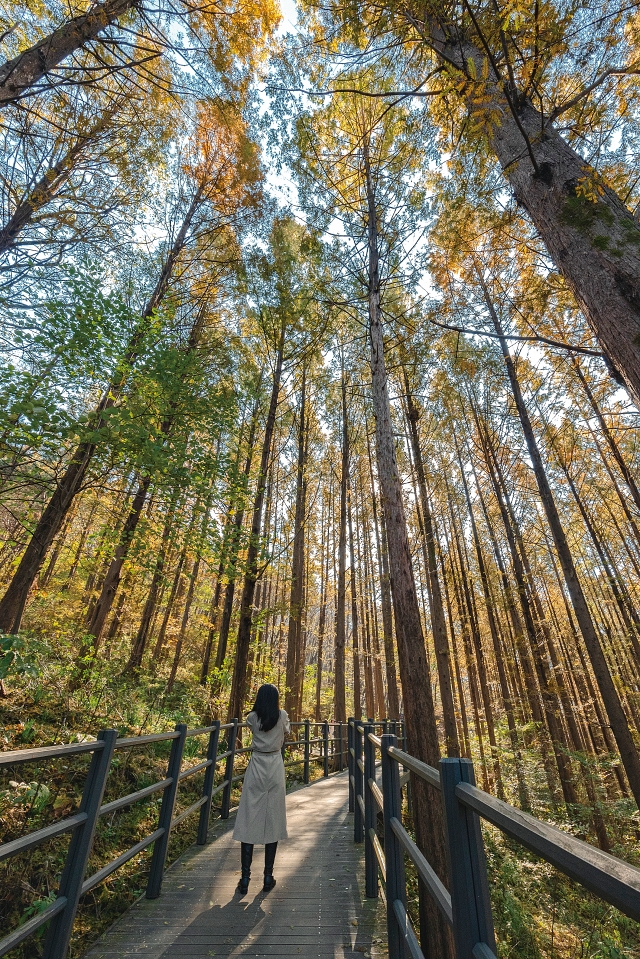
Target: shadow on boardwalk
column 317, row 908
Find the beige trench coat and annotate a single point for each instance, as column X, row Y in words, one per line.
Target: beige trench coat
column 262, row 815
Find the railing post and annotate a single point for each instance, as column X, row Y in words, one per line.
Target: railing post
column 358, row 824
column 350, row 762
column 307, row 737
column 370, row 811
column 393, row 854
column 228, row 770
column 338, row 747
column 469, row 887
column 207, row 788
column 325, row 737
column 161, row 845
column 57, row 941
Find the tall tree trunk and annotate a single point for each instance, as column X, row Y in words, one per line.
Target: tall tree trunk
column 499, row 653
column 15, row 598
column 355, row 624
column 102, row 608
column 19, row 77
column 193, row 579
column 44, row 190
column 371, row 606
column 422, row 733
column 608, row 691
column 608, row 435
column 139, row 644
column 385, row 601
column 438, row 623
column 80, row 547
column 238, row 686
column 233, row 549
column 294, row 634
column 595, row 245
column 322, row 618
column 339, row 692
column 45, row 578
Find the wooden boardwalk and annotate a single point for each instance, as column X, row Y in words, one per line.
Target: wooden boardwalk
column 317, row 908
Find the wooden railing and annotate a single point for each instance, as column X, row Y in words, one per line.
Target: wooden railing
column 61, row 913
column 465, row 905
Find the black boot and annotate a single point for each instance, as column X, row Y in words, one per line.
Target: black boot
column 269, row 859
column 246, row 855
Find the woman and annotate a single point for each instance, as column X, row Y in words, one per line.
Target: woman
column 262, row 816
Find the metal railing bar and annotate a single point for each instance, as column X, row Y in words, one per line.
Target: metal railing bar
column 192, row 770
column 375, row 842
column 219, row 788
column 106, row 871
column 32, row 925
column 421, row 769
column 187, row 812
column 375, row 740
column 352, row 750
column 223, row 755
column 376, row 792
column 143, row 740
column 133, row 797
column 47, row 752
column 245, row 749
column 41, row 835
column 404, row 779
column 360, row 766
column 437, row 889
column 200, row 732
column 615, row 881
column 406, row 930
column 240, row 776
column 361, row 803
column 227, row 726
column 482, row 951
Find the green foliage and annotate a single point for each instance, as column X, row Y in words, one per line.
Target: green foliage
column 15, row 660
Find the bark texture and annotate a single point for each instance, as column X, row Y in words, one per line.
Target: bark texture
column 19, row 76
column 594, row 245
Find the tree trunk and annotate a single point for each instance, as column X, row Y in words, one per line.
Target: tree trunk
column 238, row 686
column 339, row 692
column 294, row 634
column 438, row 623
column 613, row 706
column 422, row 733
column 44, row 191
column 14, row 600
column 324, row 577
column 19, row 77
column 393, row 710
column 102, row 608
column 355, row 624
column 608, row 435
column 595, row 245
column 140, row 642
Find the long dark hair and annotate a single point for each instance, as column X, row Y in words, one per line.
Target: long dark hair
column 267, row 706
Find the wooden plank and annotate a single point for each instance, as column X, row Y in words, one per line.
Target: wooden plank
column 318, row 907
